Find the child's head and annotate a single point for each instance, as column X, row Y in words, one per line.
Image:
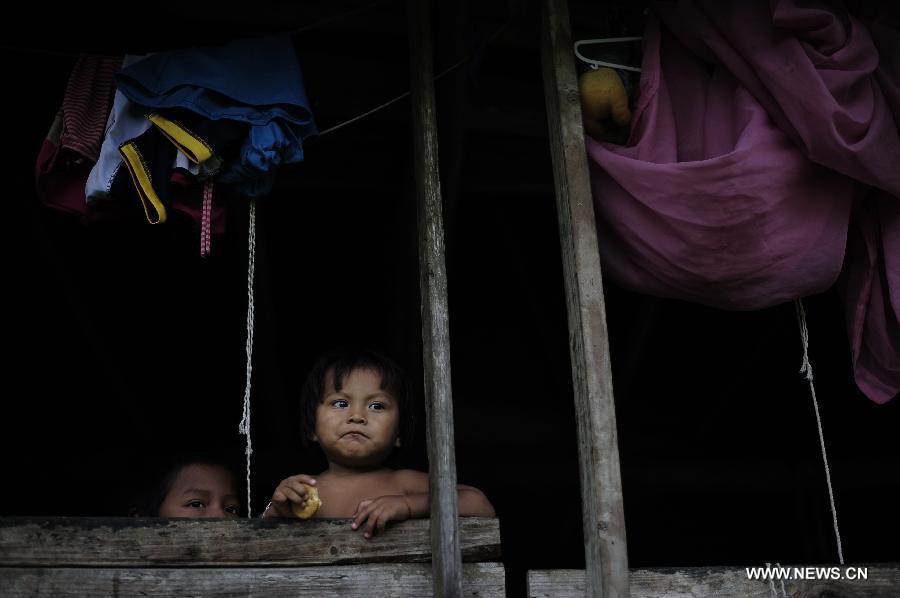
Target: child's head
column 197, row 486
column 356, row 404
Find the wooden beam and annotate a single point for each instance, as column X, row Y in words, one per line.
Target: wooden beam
column 601, row 486
column 132, row 542
column 435, row 318
column 883, row 581
column 452, row 21
column 385, row 580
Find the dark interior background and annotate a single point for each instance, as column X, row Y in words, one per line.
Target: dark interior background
column 124, row 345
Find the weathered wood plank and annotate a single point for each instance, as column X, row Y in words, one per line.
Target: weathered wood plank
column 385, row 580
column 435, row 315
column 883, row 581
column 606, row 557
column 124, row 542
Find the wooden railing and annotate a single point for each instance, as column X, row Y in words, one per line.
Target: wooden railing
column 172, row 557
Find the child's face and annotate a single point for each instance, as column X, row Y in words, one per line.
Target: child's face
column 201, row 490
column 358, row 426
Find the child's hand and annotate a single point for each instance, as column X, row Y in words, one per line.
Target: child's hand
column 376, row 512
column 290, row 490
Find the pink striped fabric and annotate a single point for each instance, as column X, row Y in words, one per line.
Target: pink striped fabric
column 206, row 218
column 86, row 104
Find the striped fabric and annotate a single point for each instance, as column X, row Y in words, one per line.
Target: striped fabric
column 86, row 104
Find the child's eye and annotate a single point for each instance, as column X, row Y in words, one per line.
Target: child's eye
column 195, row 504
column 376, row 406
column 233, row 509
column 340, row 403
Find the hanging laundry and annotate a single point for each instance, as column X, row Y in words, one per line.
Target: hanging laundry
column 72, row 145
column 755, row 133
column 185, row 185
column 148, row 158
column 256, row 82
column 126, row 121
column 86, row 104
column 832, row 83
column 710, row 202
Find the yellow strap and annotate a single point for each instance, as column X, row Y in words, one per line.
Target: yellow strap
column 189, row 144
column 140, row 176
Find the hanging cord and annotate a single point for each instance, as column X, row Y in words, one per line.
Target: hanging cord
column 437, row 77
column 781, row 581
column 206, row 218
column 772, row 588
column 807, row 369
column 244, row 427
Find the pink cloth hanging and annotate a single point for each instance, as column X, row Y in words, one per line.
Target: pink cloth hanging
column 755, row 132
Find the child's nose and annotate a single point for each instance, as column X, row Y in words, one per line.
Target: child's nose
column 215, row 511
column 357, row 417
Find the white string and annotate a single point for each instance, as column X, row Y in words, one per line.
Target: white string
column 781, row 581
column 437, row 77
column 244, row 426
column 807, row 369
column 771, row 582
column 363, row 115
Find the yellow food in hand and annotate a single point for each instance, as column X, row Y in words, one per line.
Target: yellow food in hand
column 313, row 502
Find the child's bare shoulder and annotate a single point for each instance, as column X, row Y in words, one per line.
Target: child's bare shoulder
column 411, row 480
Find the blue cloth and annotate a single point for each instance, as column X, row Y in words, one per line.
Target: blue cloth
column 255, row 81
column 263, row 150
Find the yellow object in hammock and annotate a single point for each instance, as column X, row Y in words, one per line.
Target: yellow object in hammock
column 313, row 502
column 603, row 97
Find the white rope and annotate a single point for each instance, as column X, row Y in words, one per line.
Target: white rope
column 771, row 582
column 783, row 591
column 807, row 369
column 437, row 77
column 244, row 427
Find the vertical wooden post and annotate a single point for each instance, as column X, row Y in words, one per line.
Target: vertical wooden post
column 446, row 560
column 606, row 558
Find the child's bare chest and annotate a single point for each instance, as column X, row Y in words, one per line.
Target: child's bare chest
column 342, row 499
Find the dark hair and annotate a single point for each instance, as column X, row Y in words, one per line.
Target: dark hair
column 342, row 361
column 160, row 478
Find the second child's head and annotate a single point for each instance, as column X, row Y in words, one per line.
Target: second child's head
column 356, row 405
column 194, row 484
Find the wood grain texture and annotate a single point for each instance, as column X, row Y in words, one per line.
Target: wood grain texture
column 124, row 542
column 598, row 451
column 384, row 580
column 435, row 313
column 721, row 582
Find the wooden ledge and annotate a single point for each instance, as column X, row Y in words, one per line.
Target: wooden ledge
column 883, row 581
column 152, row 542
column 483, row 580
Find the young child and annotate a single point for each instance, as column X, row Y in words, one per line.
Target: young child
column 355, row 405
column 195, row 486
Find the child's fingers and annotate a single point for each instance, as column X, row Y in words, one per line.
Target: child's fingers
column 369, row 529
column 362, row 505
column 294, row 496
column 302, row 478
column 362, row 512
column 381, row 523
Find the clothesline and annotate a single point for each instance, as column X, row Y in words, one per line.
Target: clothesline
column 307, row 27
column 490, row 39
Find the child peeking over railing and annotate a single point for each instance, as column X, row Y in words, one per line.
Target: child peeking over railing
column 356, row 406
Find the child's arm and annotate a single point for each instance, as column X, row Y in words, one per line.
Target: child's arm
column 413, row 504
column 473, row 502
column 292, row 489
